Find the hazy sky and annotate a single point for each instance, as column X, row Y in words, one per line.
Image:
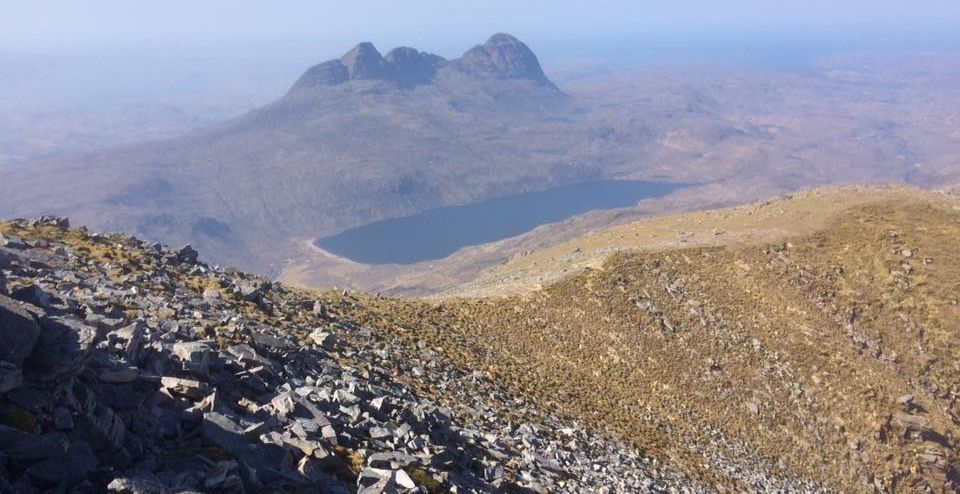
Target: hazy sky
column 444, row 26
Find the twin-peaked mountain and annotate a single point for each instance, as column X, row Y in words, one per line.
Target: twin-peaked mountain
column 501, row 57
column 356, row 139
column 370, row 136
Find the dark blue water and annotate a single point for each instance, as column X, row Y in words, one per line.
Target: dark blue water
column 437, row 233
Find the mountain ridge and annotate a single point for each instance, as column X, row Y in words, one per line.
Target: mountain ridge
column 502, row 56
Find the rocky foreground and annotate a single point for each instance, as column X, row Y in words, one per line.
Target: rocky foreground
column 129, row 367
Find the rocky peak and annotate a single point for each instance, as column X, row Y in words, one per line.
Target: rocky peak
column 503, row 57
column 500, row 57
column 365, row 62
column 413, row 66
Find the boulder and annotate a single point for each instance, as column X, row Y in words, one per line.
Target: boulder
column 187, row 255
column 196, row 355
column 11, row 242
column 10, row 377
column 31, row 294
column 64, row 346
column 37, row 446
column 393, row 460
column 138, row 483
column 913, row 425
column 378, row 481
column 262, row 340
column 68, row 468
column 119, row 375
column 19, row 331
column 223, row 431
column 185, row 387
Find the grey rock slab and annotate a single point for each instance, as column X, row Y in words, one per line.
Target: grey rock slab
column 12, row 242
column 378, row 481
column 391, row 460
column 138, row 483
column 31, row 294
column 119, row 375
column 68, row 468
column 325, row 340
column 223, row 431
column 191, row 351
column 19, row 331
column 272, row 342
column 38, row 447
column 10, row 377
column 186, row 387
column 62, row 419
column 64, row 345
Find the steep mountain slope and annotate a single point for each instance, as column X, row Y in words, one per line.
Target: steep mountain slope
column 131, row 368
column 828, row 354
column 807, row 345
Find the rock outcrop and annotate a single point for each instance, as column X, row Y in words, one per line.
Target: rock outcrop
column 147, row 371
column 502, row 57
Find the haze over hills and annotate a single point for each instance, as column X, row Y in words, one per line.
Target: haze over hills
column 368, row 136
column 355, row 139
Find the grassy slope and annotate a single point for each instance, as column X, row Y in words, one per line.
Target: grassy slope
column 781, row 343
column 789, row 340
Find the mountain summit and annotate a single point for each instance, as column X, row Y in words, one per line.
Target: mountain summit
column 363, row 137
column 502, row 56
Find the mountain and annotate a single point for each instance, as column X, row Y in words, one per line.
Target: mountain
column 802, row 344
column 356, row 139
column 501, row 57
column 367, row 137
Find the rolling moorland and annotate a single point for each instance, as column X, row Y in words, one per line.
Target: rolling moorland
column 812, row 336
column 371, row 136
column 803, row 344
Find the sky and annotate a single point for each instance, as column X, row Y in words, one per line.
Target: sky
column 448, row 27
column 95, row 52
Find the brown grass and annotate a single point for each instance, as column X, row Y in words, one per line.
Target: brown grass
column 796, row 349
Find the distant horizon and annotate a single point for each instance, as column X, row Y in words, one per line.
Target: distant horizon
column 555, row 30
column 550, row 48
